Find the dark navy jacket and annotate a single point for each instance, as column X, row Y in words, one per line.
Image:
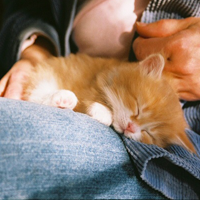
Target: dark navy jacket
column 21, row 14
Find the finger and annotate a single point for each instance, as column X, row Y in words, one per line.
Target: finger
column 165, row 27
column 14, row 87
column 3, row 83
column 187, row 96
column 144, row 47
column 13, row 91
column 186, row 87
column 189, row 91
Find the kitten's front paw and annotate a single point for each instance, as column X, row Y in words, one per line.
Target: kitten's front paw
column 64, row 99
column 101, row 113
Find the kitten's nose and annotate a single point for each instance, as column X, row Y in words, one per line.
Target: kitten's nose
column 131, row 127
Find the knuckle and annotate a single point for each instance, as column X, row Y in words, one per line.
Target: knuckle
column 185, row 70
column 179, row 44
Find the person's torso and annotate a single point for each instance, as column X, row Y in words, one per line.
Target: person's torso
column 106, row 27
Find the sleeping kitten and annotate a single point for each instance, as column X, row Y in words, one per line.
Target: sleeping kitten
column 132, row 97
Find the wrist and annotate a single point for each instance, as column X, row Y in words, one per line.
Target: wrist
column 29, row 41
column 41, row 49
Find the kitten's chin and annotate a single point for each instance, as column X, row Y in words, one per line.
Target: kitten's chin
column 118, row 128
column 135, row 136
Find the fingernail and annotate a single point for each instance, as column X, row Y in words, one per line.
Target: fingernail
column 141, row 24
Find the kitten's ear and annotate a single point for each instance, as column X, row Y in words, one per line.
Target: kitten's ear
column 153, row 65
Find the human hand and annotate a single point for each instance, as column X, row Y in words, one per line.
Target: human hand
column 179, row 42
column 11, row 85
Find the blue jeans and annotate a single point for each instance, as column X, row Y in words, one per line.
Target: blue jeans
column 50, row 153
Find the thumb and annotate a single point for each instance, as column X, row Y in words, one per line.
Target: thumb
column 164, row 27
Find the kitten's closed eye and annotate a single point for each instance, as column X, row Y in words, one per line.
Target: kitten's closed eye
column 145, row 108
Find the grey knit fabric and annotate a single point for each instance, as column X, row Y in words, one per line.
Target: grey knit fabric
column 170, row 9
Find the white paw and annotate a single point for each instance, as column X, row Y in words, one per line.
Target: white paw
column 101, row 113
column 63, row 99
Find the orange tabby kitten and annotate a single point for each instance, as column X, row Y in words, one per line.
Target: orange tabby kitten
column 132, row 97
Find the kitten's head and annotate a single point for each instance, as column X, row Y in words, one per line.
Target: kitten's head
column 145, row 107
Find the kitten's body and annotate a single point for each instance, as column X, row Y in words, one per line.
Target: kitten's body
column 133, row 97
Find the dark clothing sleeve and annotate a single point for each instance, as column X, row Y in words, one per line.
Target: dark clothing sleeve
column 22, row 17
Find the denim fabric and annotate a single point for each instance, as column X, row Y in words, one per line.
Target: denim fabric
column 50, row 153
